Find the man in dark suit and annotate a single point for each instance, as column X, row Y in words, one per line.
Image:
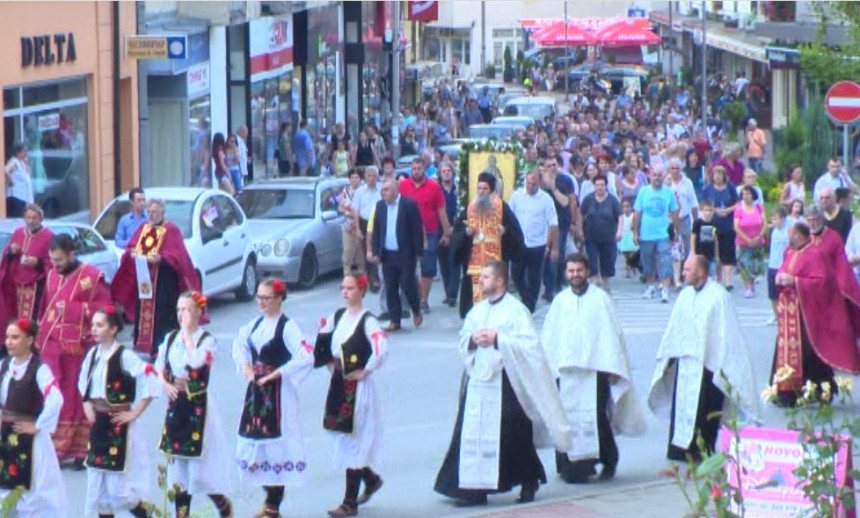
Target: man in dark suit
column 398, row 242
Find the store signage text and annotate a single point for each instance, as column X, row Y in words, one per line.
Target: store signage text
column 47, row 49
column 49, row 122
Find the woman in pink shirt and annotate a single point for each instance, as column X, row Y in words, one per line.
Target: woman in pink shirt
column 750, row 226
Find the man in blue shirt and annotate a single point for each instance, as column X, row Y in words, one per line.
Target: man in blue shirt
column 303, row 148
column 655, row 209
column 485, row 104
column 129, row 223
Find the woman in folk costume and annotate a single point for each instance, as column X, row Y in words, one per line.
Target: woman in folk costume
column 353, row 346
column 274, row 357
column 193, row 440
column 31, row 406
column 116, row 386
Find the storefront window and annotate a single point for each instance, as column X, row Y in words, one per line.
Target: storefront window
column 271, row 105
column 201, row 141
column 321, row 97
column 57, row 140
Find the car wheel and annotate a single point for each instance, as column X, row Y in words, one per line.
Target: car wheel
column 248, row 288
column 309, row 269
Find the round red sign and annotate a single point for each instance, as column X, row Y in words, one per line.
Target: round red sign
column 843, row 102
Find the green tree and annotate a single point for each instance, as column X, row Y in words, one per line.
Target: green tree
column 818, row 137
column 791, row 147
column 825, row 64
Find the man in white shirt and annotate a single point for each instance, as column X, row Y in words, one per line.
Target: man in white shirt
column 835, row 177
column 688, row 204
column 536, row 215
column 852, row 249
column 242, row 146
column 364, row 201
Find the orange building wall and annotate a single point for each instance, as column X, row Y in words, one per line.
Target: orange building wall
column 92, row 26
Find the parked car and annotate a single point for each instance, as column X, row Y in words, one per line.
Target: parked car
column 64, row 185
column 537, row 108
column 494, row 131
column 505, row 98
column 89, row 245
column 296, row 226
column 216, row 233
column 514, row 119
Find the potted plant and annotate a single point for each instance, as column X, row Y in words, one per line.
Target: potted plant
column 508, row 70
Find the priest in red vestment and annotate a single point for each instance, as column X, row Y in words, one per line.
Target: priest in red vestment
column 74, row 291
column 832, row 246
column 818, row 315
column 24, row 267
column 150, row 300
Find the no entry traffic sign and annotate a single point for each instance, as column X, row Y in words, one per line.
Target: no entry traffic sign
column 843, row 102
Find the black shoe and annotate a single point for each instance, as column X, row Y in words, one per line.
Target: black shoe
column 425, row 307
column 527, row 493
column 406, row 314
column 472, row 501
column 452, row 303
column 608, row 472
column 447, row 301
column 385, row 315
column 78, row 465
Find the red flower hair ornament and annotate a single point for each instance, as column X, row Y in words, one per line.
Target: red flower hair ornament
column 110, row 309
column 361, row 280
column 199, row 299
column 279, row 287
column 23, row 324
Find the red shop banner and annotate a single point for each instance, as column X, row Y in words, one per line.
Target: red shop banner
column 423, row 11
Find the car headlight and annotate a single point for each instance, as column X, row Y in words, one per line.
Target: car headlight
column 282, row 246
column 266, row 250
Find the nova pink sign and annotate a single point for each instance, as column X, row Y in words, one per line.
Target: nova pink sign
column 772, row 455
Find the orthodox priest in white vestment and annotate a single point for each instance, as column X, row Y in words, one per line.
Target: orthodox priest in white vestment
column 585, row 347
column 508, row 387
column 702, row 353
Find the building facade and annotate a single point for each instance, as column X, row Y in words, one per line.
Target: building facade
column 70, row 96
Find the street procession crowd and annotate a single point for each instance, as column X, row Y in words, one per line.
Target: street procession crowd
column 631, row 173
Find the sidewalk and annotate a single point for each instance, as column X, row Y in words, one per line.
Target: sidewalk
column 657, row 499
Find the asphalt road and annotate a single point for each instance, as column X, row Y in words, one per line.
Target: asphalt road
column 419, row 386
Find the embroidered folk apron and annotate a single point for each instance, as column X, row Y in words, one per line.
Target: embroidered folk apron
column 24, row 402
column 108, row 441
column 185, row 421
column 261, row 414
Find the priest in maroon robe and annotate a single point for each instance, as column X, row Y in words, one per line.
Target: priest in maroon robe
column 74, row 291
column 171, row 273
column 818, row 315
column 24, row 267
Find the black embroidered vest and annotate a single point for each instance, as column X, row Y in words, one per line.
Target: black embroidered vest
column 108, row 444
column 120, row 386
column 24, row 399
column 185, row 420
column 261, row 413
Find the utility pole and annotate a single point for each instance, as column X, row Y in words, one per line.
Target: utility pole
column 395, row 82
column 704, row 70
column 483, row 38
column 566, row 58
column 672, row 46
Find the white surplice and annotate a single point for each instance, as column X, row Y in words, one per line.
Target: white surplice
column 286, row 451
column 209, row 473
column 47, row 495
column 111, row 492
column 583, row 336
column 704, row 332
column 362, row 447
column 519, row 354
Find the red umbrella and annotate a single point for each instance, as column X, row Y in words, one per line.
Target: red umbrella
column 553, row 35
column 626, row 33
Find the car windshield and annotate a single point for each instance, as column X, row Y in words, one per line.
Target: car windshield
column 277, row 203
column 533, row 110
column 496, row 131
column 177, row 212
column 86, row 241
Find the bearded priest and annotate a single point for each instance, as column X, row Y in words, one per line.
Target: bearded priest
column 585, row 347
column 507, row 393
column 703, row 352
column 154, row 270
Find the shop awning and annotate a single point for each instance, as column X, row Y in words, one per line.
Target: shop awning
column 553, row 35
column 626, row 33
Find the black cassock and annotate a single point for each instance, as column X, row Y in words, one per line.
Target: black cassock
column 518, row 459
column 166, row 296
column 711, row 400
column 513, row 243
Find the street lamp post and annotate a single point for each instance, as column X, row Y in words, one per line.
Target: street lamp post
column 566, row 59
column 704, row 70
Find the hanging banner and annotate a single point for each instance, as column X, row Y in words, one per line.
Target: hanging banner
column 423, row 11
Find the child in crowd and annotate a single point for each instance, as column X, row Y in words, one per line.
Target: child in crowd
column 626, row 246
column 778, row 244
column 703, row 240
column 340, row 161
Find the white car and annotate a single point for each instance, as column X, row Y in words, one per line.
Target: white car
column 215, row 230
